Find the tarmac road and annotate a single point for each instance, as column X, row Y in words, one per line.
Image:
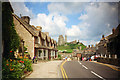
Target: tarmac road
column 89, row 70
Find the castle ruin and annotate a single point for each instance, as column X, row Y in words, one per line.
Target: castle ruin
column 61, row 40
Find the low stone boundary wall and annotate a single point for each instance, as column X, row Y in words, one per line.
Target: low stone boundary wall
column 109, row 61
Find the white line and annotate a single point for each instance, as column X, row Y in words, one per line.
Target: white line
column 80, row 62
column 84, row 67
column 97, row 75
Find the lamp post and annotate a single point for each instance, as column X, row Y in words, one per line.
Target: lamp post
column 22, row 47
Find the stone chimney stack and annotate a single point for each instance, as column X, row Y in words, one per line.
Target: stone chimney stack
column 88, row 46
column 113, row 30
column 39, row 28
column 47, row 33
column 26, row 19
column 103, row 36
column 92, row 45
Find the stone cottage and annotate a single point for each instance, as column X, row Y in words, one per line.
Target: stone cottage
column 38, row 43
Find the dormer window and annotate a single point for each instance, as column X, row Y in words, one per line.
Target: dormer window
column 44, row 43
column 36, row 40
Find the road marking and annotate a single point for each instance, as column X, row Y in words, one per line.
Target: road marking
column 108, row 66
column 79, row 62
column 97, row 75
column 84, row 67
column 63, row 71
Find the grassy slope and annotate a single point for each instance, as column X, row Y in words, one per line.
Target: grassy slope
column 70, row 47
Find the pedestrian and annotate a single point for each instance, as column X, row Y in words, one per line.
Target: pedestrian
column 34, row 58
column 92, row 58
column 82, row 58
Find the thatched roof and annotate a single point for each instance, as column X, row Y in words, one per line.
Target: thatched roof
column 27, row 26
column 43, row 35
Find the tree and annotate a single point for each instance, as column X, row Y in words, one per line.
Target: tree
column 10, row 38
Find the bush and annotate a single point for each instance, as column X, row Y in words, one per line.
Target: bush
column 11, row 40
column 28, row 64
column 59, row 56
column 14, row 69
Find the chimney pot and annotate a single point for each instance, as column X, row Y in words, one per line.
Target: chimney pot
column 39, row 28
column 113, row 30
column 26, row 19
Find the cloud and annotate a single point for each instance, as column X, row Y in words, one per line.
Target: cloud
column 52, row 23
column 83, row 17
column 20, row 8
column 73, row 32
column 96, row 19
column 66, row 8
column 99, row 19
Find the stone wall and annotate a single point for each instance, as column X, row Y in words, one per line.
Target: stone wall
column 26, row 36
column 109, row 61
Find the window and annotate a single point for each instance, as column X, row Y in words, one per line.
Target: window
column 44, row 43
column 39, row 53
column 49, row 44
column 36, row 40
column 44, row 53
column 53, row 53
column 52, row 45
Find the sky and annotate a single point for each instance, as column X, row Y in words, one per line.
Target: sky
column 83, row 21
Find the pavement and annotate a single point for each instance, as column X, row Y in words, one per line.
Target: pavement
column 89, row 70
column 49, row 69
column 117, row 68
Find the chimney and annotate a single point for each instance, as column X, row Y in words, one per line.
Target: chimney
column 92, row 45
column 39, row 28
column 113, row 30
column 47, row 33
column 88, row 46
column 26, row 19
column 103, row 36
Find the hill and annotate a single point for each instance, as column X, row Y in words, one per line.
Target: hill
column 69, row 47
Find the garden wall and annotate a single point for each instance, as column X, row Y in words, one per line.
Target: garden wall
column 109, row 61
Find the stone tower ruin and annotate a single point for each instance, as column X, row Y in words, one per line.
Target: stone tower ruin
column 65, row 38
column 61, row 40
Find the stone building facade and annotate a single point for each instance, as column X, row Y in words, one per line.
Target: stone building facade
column 113, row 45
column 38, row 43
column 108, row 46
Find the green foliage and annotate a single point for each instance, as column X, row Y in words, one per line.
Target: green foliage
column 11, row 69
column 59, row 56
column 10, row 38
column 70, row 47
column 14, row 69
column 27, row 64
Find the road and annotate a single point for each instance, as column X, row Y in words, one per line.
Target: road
column 89, row 70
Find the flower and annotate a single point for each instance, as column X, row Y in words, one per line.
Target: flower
column 7, row 61
column 22, row 61
column 10, row 59
column 7, row 64
column 10, row 51
column 11, row 69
